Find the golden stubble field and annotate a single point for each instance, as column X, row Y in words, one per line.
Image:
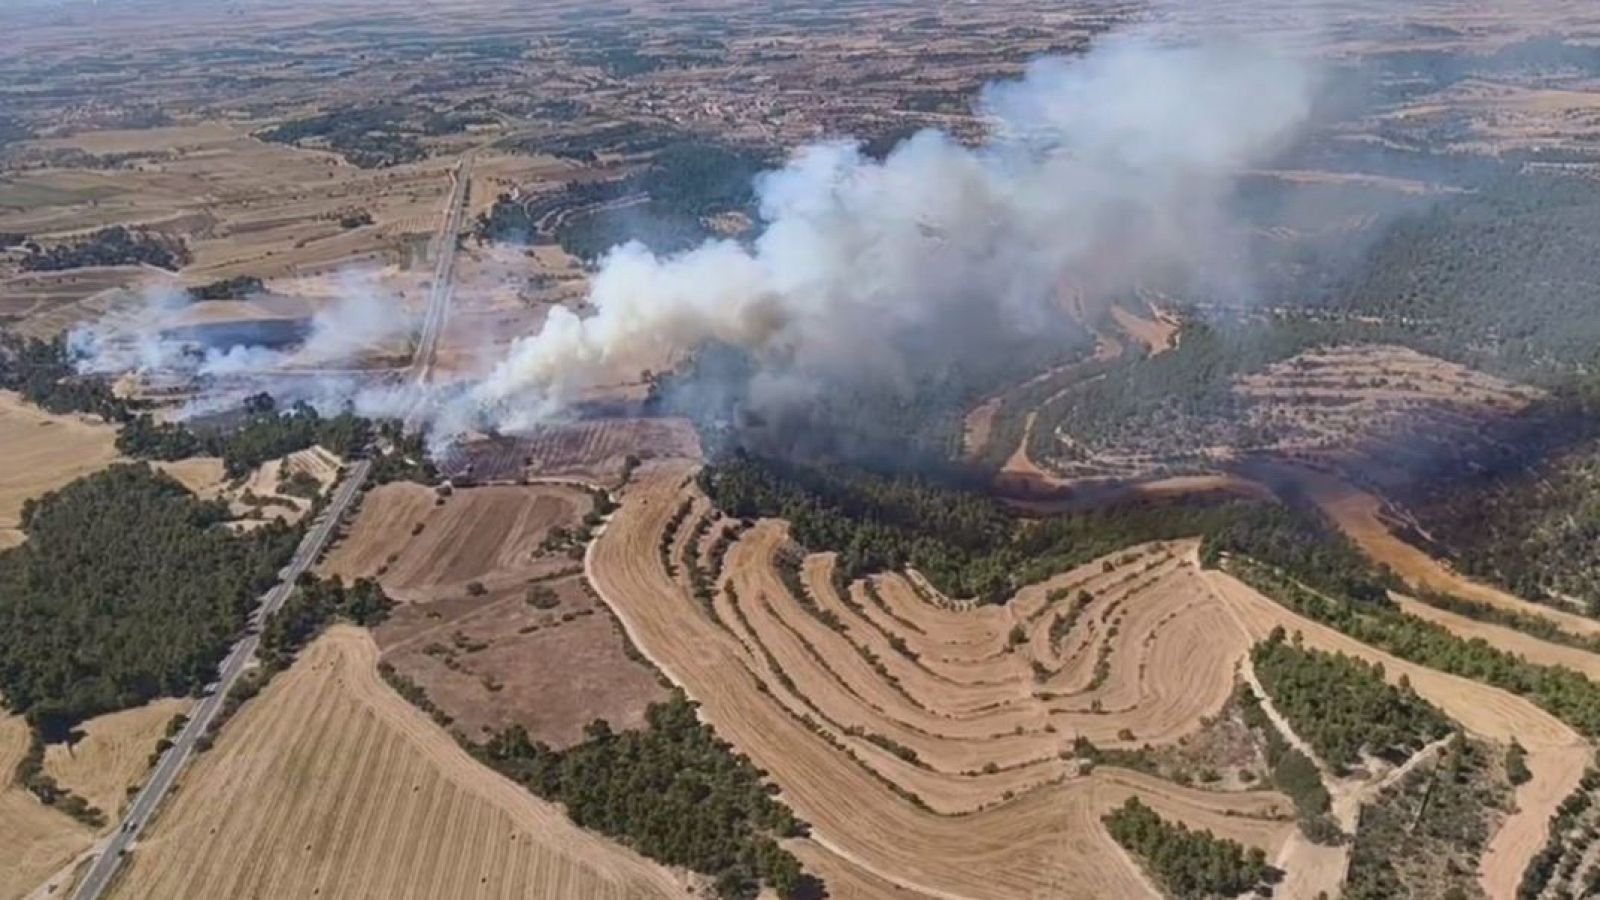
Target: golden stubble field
column 329, row 784
column 43, row 452
column 38, row 844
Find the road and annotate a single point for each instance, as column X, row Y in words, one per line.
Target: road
column 433, row 318
column 172, row 762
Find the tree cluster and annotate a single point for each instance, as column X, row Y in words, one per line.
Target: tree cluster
column 1564, row 693
column 1424, row 835
column 127, row 589
column 262, row 433
column 315, row 603
column 969, row 545
column 1342, row 705
column 673, row 791
column 41, row 373
column 370, row 137
column 1292, row 772
column 237, row 288
column 1189, row 864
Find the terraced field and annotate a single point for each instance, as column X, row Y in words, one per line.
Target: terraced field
column 932, row 747
column 956, row 732
column 329, row 784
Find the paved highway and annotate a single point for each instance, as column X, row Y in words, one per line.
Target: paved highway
column 172, row 762
column 439, row 293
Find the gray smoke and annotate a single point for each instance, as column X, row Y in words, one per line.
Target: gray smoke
column 1099, row 171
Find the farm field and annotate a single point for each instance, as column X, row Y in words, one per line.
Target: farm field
column 491, row 534
column 496, row 625
column 339, row 788
column 44, row 452
column 37, row 843
column 943, row 714
column 911, row 744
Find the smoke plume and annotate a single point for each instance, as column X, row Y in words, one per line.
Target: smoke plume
column 1099, row 171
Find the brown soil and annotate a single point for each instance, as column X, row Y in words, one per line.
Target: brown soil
column 498, row 661
column 487, row 534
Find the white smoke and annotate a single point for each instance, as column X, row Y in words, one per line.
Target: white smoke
column 141, row 339
column 1098, row 169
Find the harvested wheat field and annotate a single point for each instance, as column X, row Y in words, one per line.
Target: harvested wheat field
column 43, row 452
column 883, row 749
column 421, row 545
column 329, row 784
column 1556, row 754
column 113, row 753
column 35, row 840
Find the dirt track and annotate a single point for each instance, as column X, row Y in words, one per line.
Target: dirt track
column 330, row 784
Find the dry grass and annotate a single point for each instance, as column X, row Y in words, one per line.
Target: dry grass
column 43, row 452
column 35, row 840
column 202, row 475
column 336, row 787
column 1360, row 515
column 486, row 534
column 113, row 753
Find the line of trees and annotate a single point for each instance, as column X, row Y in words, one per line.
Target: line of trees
column 41, row 373
column 315, row 603
column 114, row 246
column 264, row 433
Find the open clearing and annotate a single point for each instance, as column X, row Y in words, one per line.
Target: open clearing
column 497, row 626
column 43, row 452
column 35, row 840
column 113, row 753
column 330, row 784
